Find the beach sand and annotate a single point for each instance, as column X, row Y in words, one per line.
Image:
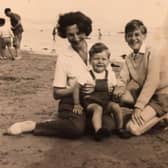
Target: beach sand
column 26, row 94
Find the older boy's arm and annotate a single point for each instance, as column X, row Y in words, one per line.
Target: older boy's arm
column 151, row 83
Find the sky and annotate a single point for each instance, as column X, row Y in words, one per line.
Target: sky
column 109, row 15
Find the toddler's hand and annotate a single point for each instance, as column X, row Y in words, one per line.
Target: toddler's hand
column 78, row 109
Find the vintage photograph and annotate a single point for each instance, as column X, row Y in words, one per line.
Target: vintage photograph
column 84, row 84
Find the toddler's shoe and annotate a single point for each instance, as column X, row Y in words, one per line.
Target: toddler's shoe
column 124, row 134
column 101, row 133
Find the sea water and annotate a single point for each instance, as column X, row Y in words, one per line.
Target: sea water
column 40, row 40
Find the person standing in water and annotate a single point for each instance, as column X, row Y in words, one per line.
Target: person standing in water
column 17, row 30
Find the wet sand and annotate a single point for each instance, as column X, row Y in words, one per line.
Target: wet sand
column 26, row 94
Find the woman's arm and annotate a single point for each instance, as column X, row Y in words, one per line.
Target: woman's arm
column 72, row 89
column 58, row 93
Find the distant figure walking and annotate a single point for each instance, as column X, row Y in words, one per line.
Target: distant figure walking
column 17, row 29
column 54, row 32
column 99, row 34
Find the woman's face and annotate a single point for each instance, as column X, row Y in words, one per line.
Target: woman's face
column 74, row 36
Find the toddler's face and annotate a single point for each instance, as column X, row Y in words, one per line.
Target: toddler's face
column 135, row 39
column 100, row 61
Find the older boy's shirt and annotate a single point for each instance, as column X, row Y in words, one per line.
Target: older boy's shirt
column 134, row 68
column 157, row 77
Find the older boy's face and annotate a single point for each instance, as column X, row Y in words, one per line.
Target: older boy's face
column 135, row 39
column 100, row 61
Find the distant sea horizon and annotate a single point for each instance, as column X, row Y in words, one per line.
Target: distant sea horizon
column 39, row 40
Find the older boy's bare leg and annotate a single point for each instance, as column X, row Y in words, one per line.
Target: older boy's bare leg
column 150, row 119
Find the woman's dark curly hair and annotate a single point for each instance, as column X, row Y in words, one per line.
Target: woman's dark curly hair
column 134, row 25
column 83, row 22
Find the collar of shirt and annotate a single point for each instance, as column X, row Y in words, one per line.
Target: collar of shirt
column 72, row 50
column 141, row 52
column 142, row 49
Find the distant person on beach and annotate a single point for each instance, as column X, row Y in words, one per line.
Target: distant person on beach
column 71, row 63
column 143, row 83
column 99, row 34
column 17, row 30
column 99, row 101
column 54, row 32
column 6, row 37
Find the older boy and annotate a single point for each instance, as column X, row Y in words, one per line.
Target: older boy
column 143, row 82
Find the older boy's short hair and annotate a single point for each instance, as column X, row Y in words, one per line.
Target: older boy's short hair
column 83, row 23
column 134, row 25
column 97, row 48
column 7, row 10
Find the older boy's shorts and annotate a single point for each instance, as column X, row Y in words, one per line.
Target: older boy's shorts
column 160, row 104
column 5, row 41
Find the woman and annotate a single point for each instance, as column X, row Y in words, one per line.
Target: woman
column 71, row 63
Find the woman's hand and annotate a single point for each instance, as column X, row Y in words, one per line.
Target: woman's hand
column 137, row 117
column 87, row 88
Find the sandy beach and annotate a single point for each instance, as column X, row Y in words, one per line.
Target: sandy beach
column 26, row 94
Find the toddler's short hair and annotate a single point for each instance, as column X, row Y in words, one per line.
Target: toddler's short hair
column 97, row 48
column 134, row 25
